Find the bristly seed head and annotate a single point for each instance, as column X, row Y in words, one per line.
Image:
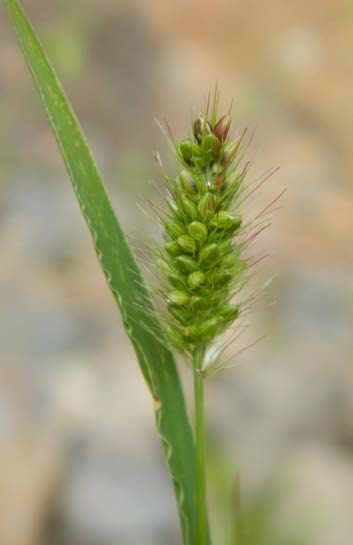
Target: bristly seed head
column 200, row 258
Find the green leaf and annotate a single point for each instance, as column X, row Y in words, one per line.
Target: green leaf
column 123, row 276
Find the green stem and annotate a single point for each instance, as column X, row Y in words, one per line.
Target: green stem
column 200, row 445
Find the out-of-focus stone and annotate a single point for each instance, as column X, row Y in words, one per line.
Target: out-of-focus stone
column 30, row 469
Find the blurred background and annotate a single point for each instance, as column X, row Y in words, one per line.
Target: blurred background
column 80, row 463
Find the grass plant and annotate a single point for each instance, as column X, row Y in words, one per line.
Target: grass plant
column 201, row 265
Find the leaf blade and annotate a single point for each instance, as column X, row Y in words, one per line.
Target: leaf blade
column 118, row 264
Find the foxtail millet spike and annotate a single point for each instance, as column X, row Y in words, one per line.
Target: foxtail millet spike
column 201, row 232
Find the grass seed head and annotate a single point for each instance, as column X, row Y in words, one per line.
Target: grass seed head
column 200, row 261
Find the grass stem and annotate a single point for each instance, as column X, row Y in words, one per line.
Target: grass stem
column 200, row 444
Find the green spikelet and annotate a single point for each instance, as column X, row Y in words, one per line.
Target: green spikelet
column 200, row 260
